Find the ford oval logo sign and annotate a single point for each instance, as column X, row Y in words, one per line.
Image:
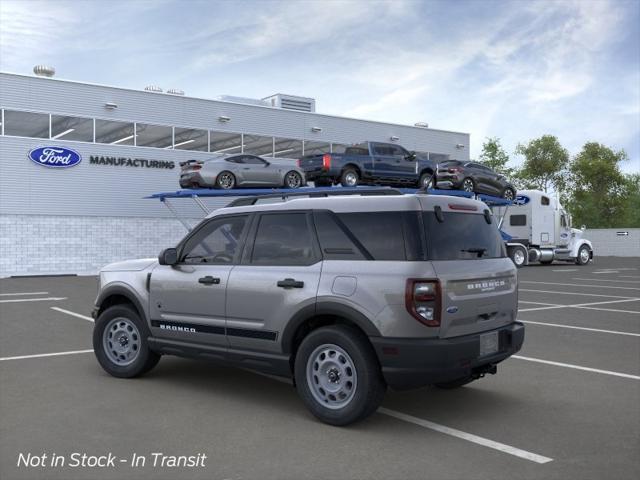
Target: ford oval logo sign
column 55, row 157
column 521, row 200
column 452, row 309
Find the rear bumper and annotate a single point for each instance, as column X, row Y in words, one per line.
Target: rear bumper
column 448, row 181
column 412, row 363
column 190, row 180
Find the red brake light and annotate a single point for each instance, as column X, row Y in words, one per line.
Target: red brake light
column 326, row 161
column 299, row 162
column 422, row 300
column 454, row 170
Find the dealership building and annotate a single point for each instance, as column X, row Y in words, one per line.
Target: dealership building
column 126, row 145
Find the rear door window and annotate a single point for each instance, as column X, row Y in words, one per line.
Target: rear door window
column 380, row 233
column 462, row 236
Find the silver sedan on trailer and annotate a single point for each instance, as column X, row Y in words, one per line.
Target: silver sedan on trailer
column 234, row 171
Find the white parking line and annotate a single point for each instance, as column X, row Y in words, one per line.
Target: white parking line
column 606, row 271
column 73, row 314
column 578, row 367
column 629, row 276
column 566, row 270
column 40, row 355
column 615, row 332
column 610, row 310
column 23, row 293
column 533, row 457
column 539, row 303
column 47, row 299
column 606, row 280
column 552, row 306
column 574, row 293
column 580, row 285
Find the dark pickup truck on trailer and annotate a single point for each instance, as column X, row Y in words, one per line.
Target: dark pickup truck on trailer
column 369, row 163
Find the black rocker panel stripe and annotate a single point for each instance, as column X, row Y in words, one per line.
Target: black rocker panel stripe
column 200, row 328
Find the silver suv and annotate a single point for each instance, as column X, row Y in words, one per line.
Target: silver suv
column 345, row 294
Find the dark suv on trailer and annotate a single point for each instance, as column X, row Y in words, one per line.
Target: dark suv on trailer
column 346, row 294
column 473, row 177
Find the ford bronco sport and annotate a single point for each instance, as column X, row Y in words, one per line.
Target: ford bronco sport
column 348, row 295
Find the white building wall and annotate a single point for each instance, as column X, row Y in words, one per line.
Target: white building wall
column 613, row 242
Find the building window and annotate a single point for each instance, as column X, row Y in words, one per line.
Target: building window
column 225, row 143
column 316, row 148
column 258, row 145
column 287, row 148
column 157, row 136
column 26, row 124
column 71, row 128
column 191, row 139
column 115, row 133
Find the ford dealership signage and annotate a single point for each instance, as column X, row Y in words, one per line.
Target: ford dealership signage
column 55, row 157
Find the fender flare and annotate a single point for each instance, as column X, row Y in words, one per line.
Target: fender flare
column 326, row 308
column 579, row 244
column 121, row 290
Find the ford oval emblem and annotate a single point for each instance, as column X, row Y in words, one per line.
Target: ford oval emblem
column 521, row 200
column 452, row 309
column 55, row 157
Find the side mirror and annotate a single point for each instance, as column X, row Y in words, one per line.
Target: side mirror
column 169, row 256
column 411, row 156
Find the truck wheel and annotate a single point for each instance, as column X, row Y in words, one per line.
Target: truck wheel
column 518, row 256
column 508, row 194
column 338, row 376
column 426, row 181
column 120, row 343
column 349, row 178
column 455, row 383
column 468, row 185
column 225, row 180
column 293, row 179
column 584, row 255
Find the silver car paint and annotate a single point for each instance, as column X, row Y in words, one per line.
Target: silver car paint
column 252, row 299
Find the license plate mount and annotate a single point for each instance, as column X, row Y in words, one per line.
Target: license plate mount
column 489, row 343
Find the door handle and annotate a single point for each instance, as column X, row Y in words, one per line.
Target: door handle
column 209, row 280
column 290, row 283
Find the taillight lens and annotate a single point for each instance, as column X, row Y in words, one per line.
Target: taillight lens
column 422, row 299
column 299, row 162
column 326, row 161
column 196, row 167
column 454, row 170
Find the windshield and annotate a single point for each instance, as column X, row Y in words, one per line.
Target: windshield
column 462, row 236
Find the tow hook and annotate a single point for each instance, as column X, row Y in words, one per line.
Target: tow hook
column 480, row 372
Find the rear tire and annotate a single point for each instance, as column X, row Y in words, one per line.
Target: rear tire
column 454, row 383
column 292, row 180
column 468, row 185
column 225, row 180
column 338, row 376
column 120, row 343
column 509, row 194
column 349, row 178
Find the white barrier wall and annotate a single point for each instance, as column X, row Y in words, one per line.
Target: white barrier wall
column 615, row 242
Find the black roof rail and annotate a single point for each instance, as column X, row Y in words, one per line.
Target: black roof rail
column 334, row 192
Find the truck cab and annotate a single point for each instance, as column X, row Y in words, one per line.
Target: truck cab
column 539, row 229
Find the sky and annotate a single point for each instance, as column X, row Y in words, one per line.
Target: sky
column 509, row 69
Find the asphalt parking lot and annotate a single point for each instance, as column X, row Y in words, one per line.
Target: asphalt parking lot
column 568, row 406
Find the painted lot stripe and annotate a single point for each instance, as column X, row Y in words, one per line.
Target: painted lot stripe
column 41, row 355
column 566, row 270
column 73, row 314
column 580, row 285
column 607, row 280
column 23, row 293
column 574, row 293
column 539, row 303
column 615, row 332
column 611, row 310
column 578, row 367
column 606, row 271
column 533, row 457
column 629, row 276
column 583, row 305
column 47, row 299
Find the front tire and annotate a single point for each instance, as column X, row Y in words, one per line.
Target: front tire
column 120, row 343
column 584, row 255
column 468, row 185
column 338, row 376
column 293, row 179
column 349, row 178
column 225, row 180
column 518, row 256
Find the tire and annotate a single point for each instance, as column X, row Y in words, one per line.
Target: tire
column 349, row 357
column 225, row 180
column 509, row 194
column 322, row 182
column 349, row 178
column 292, row 179
column 518, row 256
column 468, row 185
column 454, row 383
column 426, row 181
column 584, row 255
column 120, row 359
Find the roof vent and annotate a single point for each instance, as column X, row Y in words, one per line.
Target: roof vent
column 153, row 88
column 175, row 91
column 44, row 71
column 421, row 124
column 292, row 102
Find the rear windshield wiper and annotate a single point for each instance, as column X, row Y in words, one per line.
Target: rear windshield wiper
column 479, row 251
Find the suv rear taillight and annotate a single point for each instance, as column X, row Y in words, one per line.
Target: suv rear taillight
column 422, row 299
column 454, row 170
column 299, row 162
column 326, row 161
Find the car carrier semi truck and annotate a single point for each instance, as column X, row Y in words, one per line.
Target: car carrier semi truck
column 538, row 229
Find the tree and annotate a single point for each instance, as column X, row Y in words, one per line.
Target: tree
column 630, row 216
column 598, row 191
column 495, row 157
column 545, row 163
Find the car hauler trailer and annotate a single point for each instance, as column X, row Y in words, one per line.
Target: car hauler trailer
column 539, row 230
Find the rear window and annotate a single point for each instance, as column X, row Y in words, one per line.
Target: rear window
column 462, row 236
column 356, row 151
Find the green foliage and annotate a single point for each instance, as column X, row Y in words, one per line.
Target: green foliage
column 598, row 194
column 545, row 164
column 630, row 215
column 495, row 157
